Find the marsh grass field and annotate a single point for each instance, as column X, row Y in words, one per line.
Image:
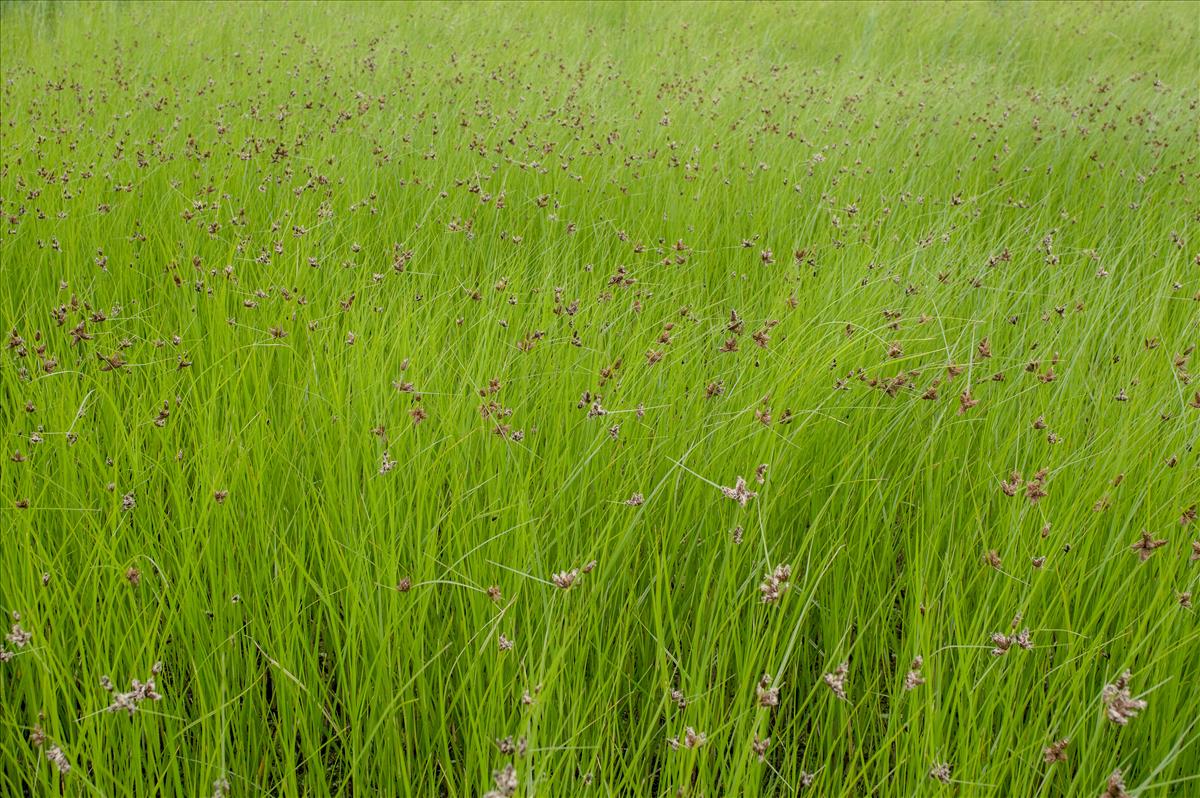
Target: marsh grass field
column 611, row 399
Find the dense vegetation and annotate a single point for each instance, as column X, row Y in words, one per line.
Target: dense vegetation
column 604, row 399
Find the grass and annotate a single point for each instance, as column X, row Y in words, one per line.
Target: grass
column 327, row 319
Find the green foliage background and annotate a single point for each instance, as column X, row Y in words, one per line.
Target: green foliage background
column 267, row 210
